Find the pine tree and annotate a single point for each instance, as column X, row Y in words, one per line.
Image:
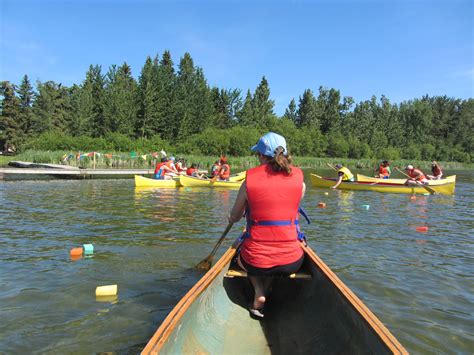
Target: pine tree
column 120, row 109
column 52, row 108
column 89, row 116
column 307, row 114
column 10, row 129
column 166, row 80
column 262, row 105
column 246, row 115
column 26, row 96
column 147, row 94
column 290, row 112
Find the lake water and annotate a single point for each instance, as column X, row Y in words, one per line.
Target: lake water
column 147, row 241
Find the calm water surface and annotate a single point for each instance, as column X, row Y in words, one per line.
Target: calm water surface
column 147, row 241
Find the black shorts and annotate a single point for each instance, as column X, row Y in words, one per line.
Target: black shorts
column 280, row 270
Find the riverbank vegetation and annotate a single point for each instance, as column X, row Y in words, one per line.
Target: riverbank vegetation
column 127, row 160
column 173, row 108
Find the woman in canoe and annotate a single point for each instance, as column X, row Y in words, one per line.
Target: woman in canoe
column 384, row 170
column 436, row 170
column 270, row 198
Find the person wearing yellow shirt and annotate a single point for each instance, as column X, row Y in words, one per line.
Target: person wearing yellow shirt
column 343, row 174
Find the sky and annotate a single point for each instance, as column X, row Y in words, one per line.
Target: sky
column 402, row 49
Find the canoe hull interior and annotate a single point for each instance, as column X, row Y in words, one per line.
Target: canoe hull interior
column 302, row 316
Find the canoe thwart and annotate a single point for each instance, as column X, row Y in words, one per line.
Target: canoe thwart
column 242, row 273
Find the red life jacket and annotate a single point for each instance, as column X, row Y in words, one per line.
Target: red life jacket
column 178, row 166
column 383, row 171
column 273, row 198
column 158, row 167
column 190, row 171
column 224, row 171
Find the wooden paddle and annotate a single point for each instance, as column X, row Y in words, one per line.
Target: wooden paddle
column 331, row 166
column 214, row 179
column 429, row 189
column 206, row 263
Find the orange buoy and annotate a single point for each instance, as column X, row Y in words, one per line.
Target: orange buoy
column 413, row 197
column 321, row 205
column 76, row 252
column 422, row 229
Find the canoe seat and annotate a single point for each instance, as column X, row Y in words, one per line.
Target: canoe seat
column 236, row 271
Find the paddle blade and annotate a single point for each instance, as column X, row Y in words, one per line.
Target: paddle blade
column 214, row 179
column 205, row 264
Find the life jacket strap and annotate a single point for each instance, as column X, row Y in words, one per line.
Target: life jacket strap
column 274, row 223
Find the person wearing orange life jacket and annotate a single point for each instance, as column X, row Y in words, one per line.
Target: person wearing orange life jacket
column 343, row 174
column 216, row 168
column 436, row 170
column 158, row 170
column 384, row 170
column 224, row 172
column 166, row 170
column 270, row 197
column 193, row 171
column 417, row 177
column 181, row 166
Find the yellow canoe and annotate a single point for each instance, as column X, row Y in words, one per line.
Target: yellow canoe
column 363, row 178
column 445, row 189
column 189, row 181
column 310, row 312
column 141, row 181
column 238, row 177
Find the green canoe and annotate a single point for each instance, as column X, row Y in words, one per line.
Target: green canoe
column 311, row 312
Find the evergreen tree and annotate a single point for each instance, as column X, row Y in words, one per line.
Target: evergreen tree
column 290, row 112
column 52, row 109
column 246, row 114
column 328, row 109
column 10, row 128
column 226, row 104
column 307, row 114
column 193, row 106
column 147, row 98
column 89, row 116
column 166, row 80
column 120, row 107
column 262, row 105
column 26, row 96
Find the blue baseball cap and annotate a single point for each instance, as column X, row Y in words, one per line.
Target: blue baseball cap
column 268, row 143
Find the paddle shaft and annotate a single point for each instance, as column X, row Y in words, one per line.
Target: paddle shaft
column 221, row 239
column 331, row 166
column 430, row 190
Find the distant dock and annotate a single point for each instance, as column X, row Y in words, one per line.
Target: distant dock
column 64, row 171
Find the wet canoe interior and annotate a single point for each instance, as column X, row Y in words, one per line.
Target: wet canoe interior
column 302, row 316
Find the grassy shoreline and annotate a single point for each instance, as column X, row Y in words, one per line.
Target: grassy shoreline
column 121, row 160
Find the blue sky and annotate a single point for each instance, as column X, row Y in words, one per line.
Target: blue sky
column 402, row 49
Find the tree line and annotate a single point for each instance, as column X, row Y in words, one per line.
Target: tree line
column 174, row 106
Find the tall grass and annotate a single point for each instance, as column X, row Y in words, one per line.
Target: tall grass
column 124, row 160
